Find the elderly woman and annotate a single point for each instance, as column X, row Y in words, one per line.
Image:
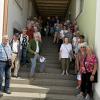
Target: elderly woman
column 88, row 68
column 65, row 50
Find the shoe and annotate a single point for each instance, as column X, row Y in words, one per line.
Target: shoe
column 15, row 76
column 1, row 94
column 87, row 97
column 78, row 87
column 80, row 97
column 63, row 73
column 67, row 73
column 8, row 91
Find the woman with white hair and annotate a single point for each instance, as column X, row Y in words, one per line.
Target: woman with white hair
column 65, row 51
column 87, row 68
column 37, row 33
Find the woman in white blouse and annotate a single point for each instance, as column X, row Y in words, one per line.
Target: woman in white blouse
column 65, row 51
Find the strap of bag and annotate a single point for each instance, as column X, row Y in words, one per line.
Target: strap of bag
column 84, row 63
column 69, row 52
column 5, row 52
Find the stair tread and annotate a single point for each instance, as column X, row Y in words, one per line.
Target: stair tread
column 39, row 95
column 49, row 85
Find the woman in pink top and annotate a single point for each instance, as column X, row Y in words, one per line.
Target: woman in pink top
column 88, row 68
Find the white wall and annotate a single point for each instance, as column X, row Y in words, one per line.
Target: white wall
column 97, row 48
column 1, row 18
column 30, row 8
column 77, row 7
column 72, row 9
column 16, row 16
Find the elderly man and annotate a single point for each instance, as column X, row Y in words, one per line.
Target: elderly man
column 15, row 46
column 5, row 55
column 34, row 51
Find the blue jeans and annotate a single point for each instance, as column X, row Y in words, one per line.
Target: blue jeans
column 33, row 63
column 5, row 71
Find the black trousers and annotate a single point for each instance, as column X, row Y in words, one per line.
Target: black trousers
column 59, row 44
column 86, row 85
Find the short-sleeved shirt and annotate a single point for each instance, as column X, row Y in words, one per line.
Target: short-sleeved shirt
column 3, row 56
column 65, row 50
column 89, row 64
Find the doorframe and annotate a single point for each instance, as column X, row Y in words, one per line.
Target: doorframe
column 5, row 17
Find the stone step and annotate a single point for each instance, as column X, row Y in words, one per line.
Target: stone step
column 48, row 76
column 47, row 70
column 44, row 89
column 54, row 76
column 49, row 47
column 51, row 55
column 53, row 70
column 50, row 51
column 55, row 61
column 55, row 65
column 20, row 81
column 45, row 82
column 54, row 82
column 36, row 96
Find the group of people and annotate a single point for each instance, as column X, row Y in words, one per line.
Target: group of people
column 72, row 46
column 18, row 51
column 28, row 45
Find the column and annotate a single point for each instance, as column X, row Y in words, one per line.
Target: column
column 1, row 18
column 97, row 48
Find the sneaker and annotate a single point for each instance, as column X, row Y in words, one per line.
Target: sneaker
column 63, row 73
column 78, row 87
column 87, row 97
column 80, row 97
column 67, row 73
column 8, row 91
column 1, row 94
column 15, row 76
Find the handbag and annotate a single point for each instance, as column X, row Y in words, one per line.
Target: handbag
column 96, row 74
column 71, row 55
column 9, row 61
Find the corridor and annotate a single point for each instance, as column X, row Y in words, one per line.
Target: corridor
column 84, row 18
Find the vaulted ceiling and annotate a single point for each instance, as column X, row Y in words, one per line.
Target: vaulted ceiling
column 52, row 7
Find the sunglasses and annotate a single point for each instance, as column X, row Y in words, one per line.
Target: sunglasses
column 83, row 47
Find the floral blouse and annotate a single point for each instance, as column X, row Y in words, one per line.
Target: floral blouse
column 89, row 64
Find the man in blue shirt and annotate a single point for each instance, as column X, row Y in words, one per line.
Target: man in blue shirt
column 5, row 54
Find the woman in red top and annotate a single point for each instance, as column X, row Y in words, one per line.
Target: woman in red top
column 88, row 67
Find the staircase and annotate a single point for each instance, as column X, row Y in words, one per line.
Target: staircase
column 50, row 85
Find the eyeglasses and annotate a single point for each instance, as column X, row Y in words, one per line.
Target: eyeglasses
column 82, row 47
